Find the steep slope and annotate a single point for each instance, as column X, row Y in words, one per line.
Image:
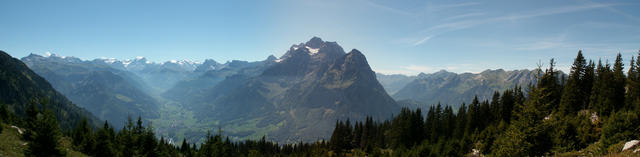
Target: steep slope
column 453, row 89
column 108, row 93
column 394, row 82
column 19, row 86
column 299, row 96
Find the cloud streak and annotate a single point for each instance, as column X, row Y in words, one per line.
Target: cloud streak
column 386, row 8
column 463, row 24
column 425, row 39
column 617, row 11
column 461, row 16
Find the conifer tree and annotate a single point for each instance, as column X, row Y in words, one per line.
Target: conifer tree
column 83, row 138
column 45, row 136
column 573, row 95
column 105, row 142
column 618, row 83
column 632, row 83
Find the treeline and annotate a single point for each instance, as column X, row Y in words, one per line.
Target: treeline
column 591, row 112
column 43, row 136
column 442, row 132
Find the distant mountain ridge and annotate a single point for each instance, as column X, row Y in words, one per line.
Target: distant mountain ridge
column 450, row 88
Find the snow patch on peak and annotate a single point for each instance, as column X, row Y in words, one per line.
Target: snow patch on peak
column 312, row 51
column 139, row 57
column 49, row 54
column 278, row 60
column 109, row 60
column 126, row 63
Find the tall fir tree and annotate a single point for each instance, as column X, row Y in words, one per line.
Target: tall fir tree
column 45, row 136
column 573, row 95
column 618, row 83
column 82, row 135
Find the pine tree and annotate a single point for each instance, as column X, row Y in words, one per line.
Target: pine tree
column 633, row 93
column 548, row 83
column 45, row 136
column 105, row 144
column 604, row 89
column 495, row 107
column 461, row 121
column 573, row 95
column 184, row 148
column 618, row 83
column 507, row 101
column 127, row 139
column 83, row 138
column 340, row 140
column 587, row 83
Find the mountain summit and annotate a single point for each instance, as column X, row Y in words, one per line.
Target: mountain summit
column 298, row 97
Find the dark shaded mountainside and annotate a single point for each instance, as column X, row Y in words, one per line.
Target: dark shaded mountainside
column 296, row 97
column 110, row 94
column 19, row 87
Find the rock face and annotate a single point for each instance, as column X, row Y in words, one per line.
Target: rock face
column 299, row 96
column 631, row 144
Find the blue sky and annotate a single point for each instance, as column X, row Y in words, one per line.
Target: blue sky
column 399, row 36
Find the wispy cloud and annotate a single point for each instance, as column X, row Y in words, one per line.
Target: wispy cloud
column 463, row 24
column 545, row 43
column 386, row 8
column 461, row 16
column 614, row 10
column 425, row 39
column 450, row 6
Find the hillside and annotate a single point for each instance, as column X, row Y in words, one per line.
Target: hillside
column 19, row 87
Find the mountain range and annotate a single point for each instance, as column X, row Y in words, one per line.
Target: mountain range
column 453, row 89
column 316, row 81
column 110, row 94
column 295, row 97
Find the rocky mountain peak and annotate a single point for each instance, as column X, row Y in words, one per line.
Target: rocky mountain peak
column 315, row 43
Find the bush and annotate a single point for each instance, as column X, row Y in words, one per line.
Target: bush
column 621, row 126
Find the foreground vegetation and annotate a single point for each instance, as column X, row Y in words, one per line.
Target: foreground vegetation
column 591, row 112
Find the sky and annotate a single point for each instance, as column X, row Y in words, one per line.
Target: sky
column 396, row 36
